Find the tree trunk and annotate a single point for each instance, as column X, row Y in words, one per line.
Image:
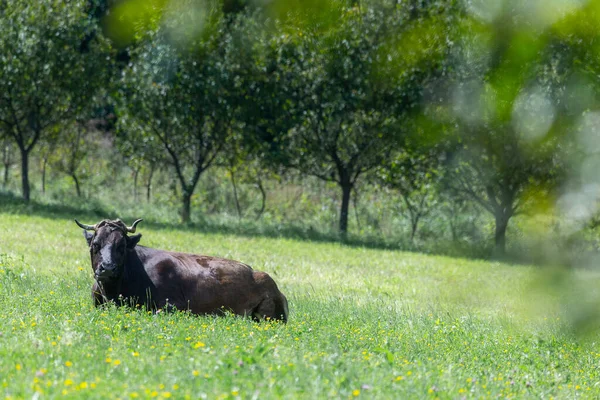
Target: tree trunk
column 187, row 187
column 44, row 163
column 500, row 234
column 136, row 172
column 355, row 204
column 77, row 188
column 6, row 160
column 452, row 224
column 149, row 184
column 5, row 181
column 263, row 194
column 235, row 195
column 186, row 206
column 25, row 174
column 7, row 164
column 414, row 223
column 346, row 191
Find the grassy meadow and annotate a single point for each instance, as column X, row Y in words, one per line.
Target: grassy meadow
column 364, row 323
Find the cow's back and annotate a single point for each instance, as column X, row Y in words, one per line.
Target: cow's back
column 204, row 284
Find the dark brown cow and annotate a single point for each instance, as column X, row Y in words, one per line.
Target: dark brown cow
column 126, row 273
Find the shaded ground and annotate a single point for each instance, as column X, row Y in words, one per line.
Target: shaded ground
column 91, row 212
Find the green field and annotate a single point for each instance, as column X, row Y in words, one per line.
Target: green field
column 363, row 323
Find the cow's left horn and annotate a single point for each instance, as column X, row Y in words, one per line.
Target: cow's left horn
column 131, row 229
column 86, row 227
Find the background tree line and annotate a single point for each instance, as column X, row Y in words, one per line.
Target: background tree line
column 445, row 103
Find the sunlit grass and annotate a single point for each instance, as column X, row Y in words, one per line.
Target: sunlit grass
column 363, row 323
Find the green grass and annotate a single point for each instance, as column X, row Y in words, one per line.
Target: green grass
column 363, row 323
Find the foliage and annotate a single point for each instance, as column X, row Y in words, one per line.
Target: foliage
column 141, row 153
column 176, row 94
column 268, row 96
column 342, row 99
column 80, row 139
column 507, row 133
column 46, row 77
column 8, row 159
column 497, row 170
column 247, row 157
column 416, row 175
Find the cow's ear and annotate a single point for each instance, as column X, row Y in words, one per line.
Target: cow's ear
column 88, row 236
column 132, row 241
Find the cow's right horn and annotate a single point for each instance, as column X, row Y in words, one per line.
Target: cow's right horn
column 86, row 227
column 131, row 229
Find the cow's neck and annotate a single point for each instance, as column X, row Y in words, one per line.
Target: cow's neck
column 134, row 286
column 137, row 285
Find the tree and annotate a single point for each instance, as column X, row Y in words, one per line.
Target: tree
column 495, row 167
column 341, row 128
column 46, row 151
column 246, row 166
column 45, row 76
column 416, row 175
column 250, row 155
column 141, row 153
column 346, row 91
column 462, row 215
column 78, row 143
column 8, row 159
column 506, row 126
column 175, row 93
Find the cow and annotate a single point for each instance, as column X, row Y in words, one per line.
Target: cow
column 130, row 274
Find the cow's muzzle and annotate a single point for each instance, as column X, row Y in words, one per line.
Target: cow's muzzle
column 106, row 273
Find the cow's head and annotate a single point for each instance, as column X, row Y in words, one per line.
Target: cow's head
column 109, row 244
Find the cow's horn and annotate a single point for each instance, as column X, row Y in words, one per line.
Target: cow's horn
column 131, row 229
column 86, row 227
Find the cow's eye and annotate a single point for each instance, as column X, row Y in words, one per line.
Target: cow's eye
column 95, row 247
